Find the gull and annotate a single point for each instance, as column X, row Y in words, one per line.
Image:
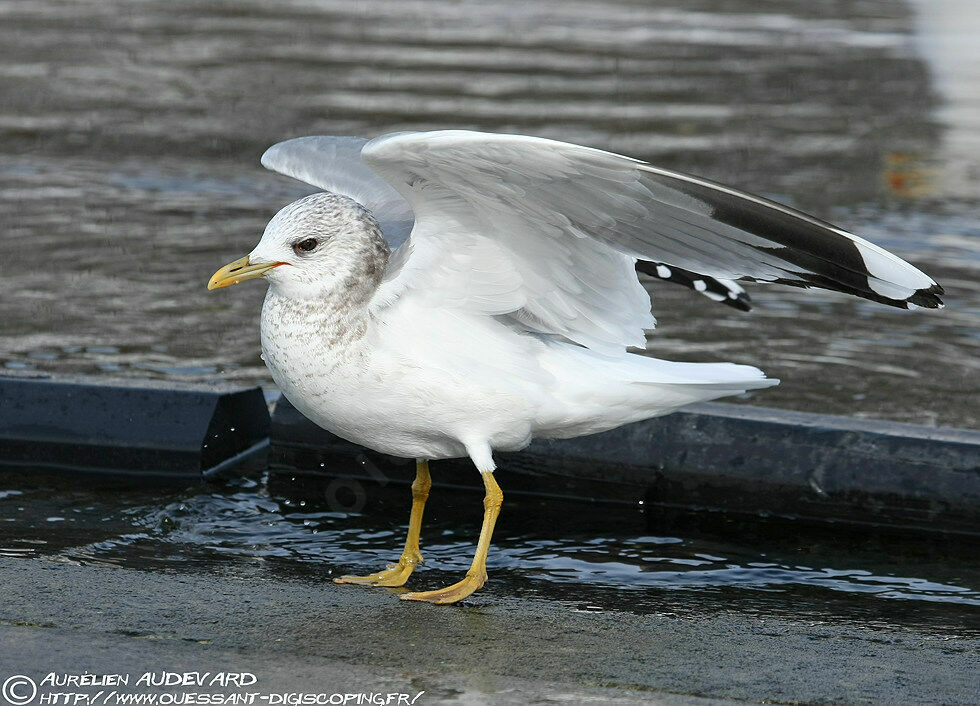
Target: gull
column 456, row 293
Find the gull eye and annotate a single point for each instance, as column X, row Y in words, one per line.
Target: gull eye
column 305, row 245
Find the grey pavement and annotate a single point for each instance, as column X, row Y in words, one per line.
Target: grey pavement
column 300, row 636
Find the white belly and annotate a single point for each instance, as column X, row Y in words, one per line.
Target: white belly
column 389, row 399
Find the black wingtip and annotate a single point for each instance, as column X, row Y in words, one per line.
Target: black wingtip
column 742, row 302
column 927, row 298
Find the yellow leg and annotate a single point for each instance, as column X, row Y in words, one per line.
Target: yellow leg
column 397, row 574
column 477, row 575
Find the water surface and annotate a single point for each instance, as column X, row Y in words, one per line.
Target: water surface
column 130, row 136
column 586, row 556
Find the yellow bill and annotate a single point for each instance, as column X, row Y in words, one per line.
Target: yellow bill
column 239, row 271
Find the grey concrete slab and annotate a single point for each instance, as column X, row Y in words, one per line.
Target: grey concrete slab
column 317, row 635
column 34, row 651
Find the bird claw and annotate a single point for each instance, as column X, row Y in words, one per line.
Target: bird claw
column 449, row 594
column 392, row 577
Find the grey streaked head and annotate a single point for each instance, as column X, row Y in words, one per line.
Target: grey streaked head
column 326, row 244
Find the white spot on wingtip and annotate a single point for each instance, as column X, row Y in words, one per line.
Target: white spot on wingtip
column 731, row 285
column 891, row 269
column 664, row 272
column 700, row 285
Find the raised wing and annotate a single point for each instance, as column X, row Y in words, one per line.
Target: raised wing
column 483, row 242
column 557, row 227
column 334, row 164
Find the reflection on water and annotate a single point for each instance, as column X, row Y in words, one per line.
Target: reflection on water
column 590, row 556
column 947, row 34
column 130, row 135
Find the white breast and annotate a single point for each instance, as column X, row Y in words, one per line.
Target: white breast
column 387, row 389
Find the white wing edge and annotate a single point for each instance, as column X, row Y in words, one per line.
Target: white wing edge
column 334, row 164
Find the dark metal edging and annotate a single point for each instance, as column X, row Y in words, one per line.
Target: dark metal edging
column 718, row 457
column 711, row 457
column 136, row 429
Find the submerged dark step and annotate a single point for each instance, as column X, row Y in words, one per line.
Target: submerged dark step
column 147, row 429
column 713, row 457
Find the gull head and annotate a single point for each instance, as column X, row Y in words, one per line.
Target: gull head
column 315, row 248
